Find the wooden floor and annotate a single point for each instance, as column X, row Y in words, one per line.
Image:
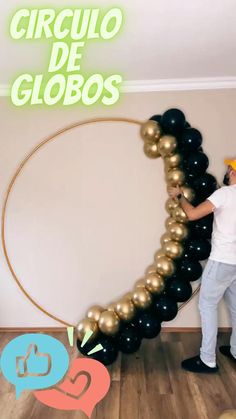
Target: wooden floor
column 147, row 385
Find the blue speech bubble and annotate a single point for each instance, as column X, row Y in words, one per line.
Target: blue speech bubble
column 34, row 361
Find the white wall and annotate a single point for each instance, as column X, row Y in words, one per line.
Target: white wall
column 87, row 213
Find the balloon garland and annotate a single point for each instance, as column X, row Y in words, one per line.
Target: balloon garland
column 139, row 314
column 123, row 324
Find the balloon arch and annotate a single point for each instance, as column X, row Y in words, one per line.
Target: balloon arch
column 154, row 299
column 123, row 324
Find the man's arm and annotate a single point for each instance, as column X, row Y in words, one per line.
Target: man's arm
column 193, row 213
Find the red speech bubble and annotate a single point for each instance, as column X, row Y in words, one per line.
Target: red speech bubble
column 85, row 385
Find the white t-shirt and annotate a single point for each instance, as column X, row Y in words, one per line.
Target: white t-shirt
column 224, row 226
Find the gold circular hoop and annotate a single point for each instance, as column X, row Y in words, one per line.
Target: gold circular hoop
column 11, row 186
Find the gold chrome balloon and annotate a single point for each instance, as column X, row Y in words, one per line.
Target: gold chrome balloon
column 127, row 296
column 141, row 298
column 172, row 162
column 125, row 310
column 167, row 145
column 171, row 204
column 165, row 238
column 165, row 266
column 179, row 215
column 169, row 221
column 175, row 177
column 150, row 131
column 173, row 249
column 151, row 269
column 150, row 148
column 111, row 307
column 87, row 325
column 140, row 283
column 94, row 312
column 159, row 254
column 155, row 283
column 109, row 323
column 178, row 231
column 188, row 193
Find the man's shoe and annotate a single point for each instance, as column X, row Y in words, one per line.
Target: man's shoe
column 225, row 350
column 195, row 364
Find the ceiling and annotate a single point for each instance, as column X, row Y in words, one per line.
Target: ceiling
column 161, row 39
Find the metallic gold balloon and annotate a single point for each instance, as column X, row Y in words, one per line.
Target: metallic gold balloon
column 150, row 148
column 166, row 171
column 155, row 283
column 173, row 161
column 175, row 177
column 94, row 313
column 178, row 231
column 159, row 254
column 189, row 193
column 165, row 238
column 140, row 283
column 151, row 269
column 173, row 249
column 150, row 131
column 127, row 296
column 109, row 323
column 169, row 221
column 111, row 307
column 87, row 325
column 167, row 145
column 165, row 266
column 141, row 298
column 125, row 310
column 171, row 204
column 179, row 215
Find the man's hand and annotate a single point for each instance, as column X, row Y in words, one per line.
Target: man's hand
column 174, row 191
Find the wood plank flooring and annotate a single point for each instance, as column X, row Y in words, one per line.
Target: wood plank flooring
column 147, row 385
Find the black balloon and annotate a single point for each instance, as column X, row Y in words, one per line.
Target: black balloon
column 190, row 270
column 107, row 355
column 86, row 348
column 89, row 345
column 202, row 228
column 179, row 289
column 198, row 199
column 204, row 185
column 169, row 279
column 190, row 140
column 156, row 118
column 191, row 236
column 187, row 125
column 165, row 308
column 189, row 177
column 185, row 254
column 197, row 163
column 173, row 121
column 198, row 249
column 129, row 340
column 148, row 325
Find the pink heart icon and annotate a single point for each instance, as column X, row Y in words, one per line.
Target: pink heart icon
column 86, row 383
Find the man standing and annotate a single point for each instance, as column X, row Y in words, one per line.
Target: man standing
column 219, row 276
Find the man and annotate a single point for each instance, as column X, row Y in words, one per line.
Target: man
column 219, row 276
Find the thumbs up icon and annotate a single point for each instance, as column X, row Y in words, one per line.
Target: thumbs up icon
column 34, row 363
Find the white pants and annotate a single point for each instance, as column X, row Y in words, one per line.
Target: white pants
column 218, row 281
